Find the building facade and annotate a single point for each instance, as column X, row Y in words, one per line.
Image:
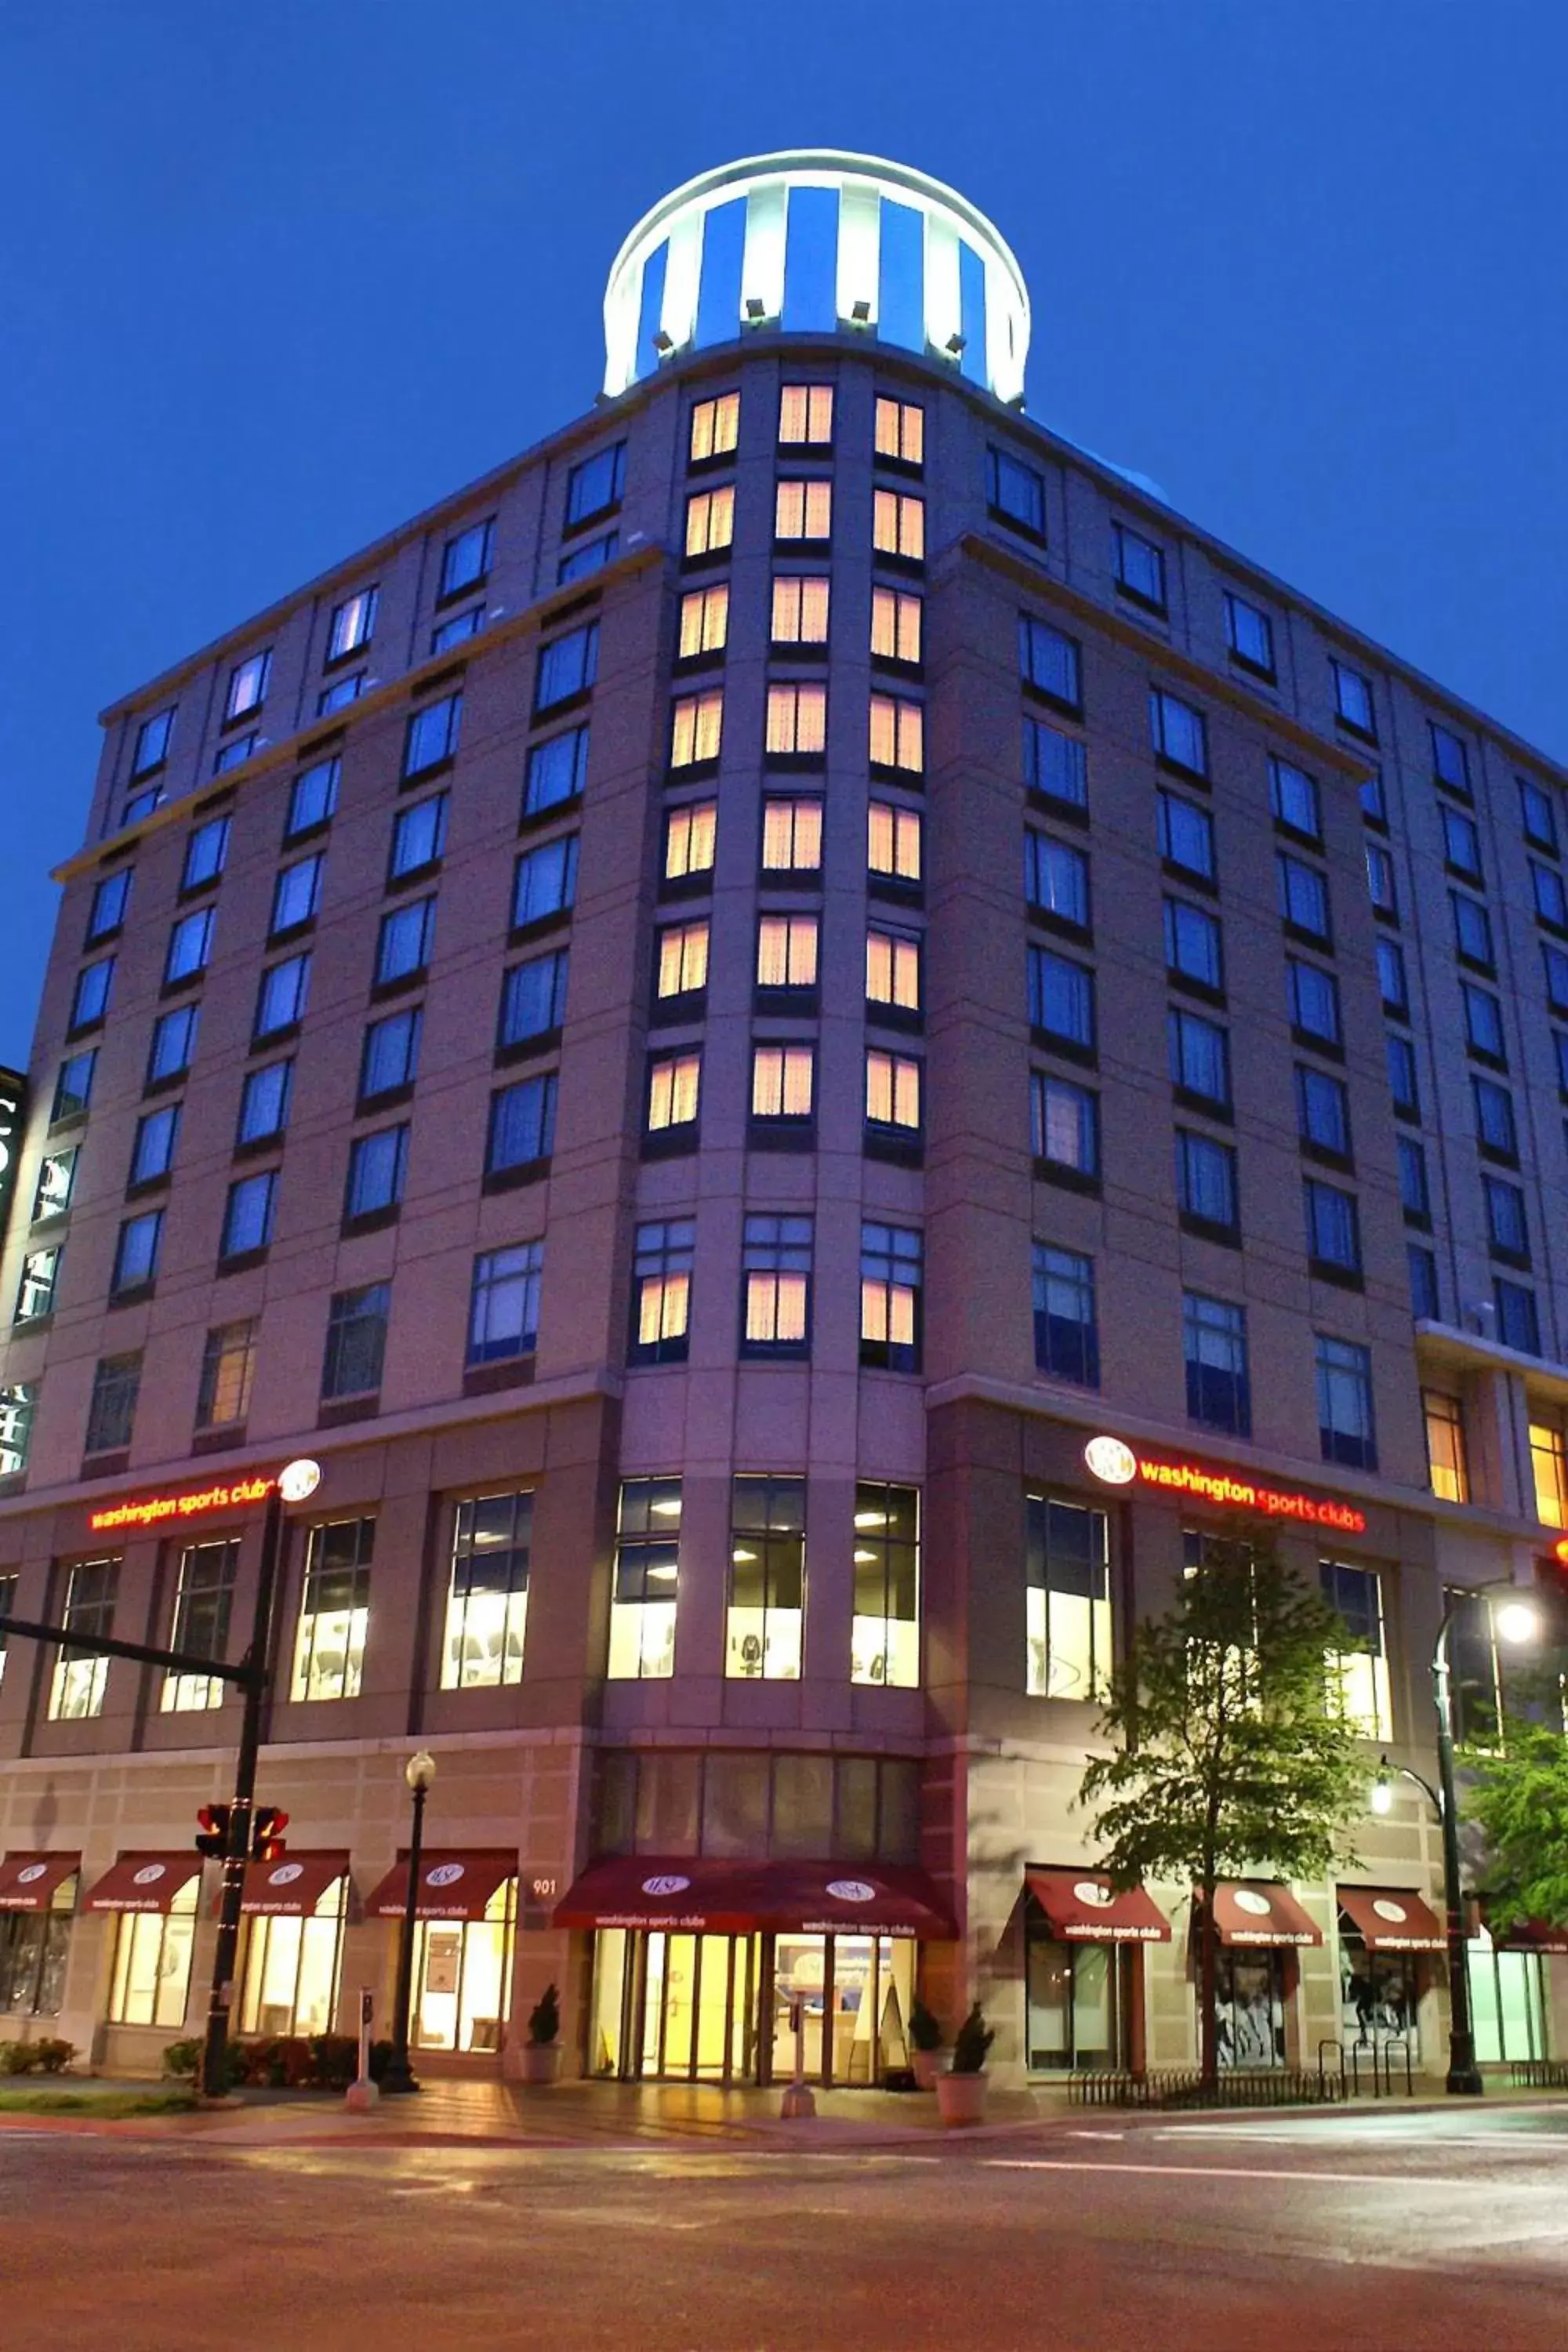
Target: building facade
column 697, row 1025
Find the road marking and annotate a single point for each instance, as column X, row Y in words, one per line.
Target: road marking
column 1096, row 2134
column 1253, row 2172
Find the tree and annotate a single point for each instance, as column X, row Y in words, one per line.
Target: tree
column 1517, row 1795
column 1232, row 1752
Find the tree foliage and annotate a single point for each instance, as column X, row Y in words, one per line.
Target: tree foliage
column 1517, row 1795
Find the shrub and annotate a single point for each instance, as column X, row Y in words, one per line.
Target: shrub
column 544, row 2018
column 970, row 2043
column 18, row 2057
column 926, row 2032
column 182, row 2060
column 53, row 2056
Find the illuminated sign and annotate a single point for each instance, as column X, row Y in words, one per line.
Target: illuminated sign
column 151, row 1510
column 13, row 1086
column 1116, row 1464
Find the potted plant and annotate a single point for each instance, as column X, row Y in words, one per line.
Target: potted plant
column 961, row 2094
column 925, row 2045
column 542, row 2050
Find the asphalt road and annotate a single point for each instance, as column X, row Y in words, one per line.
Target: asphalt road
column 1352, row 2233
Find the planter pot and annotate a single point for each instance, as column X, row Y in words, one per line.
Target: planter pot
column 540, row 2062
column 926, row 2066
column 960, row 2099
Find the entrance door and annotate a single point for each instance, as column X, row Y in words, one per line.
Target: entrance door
column 674, row 2009
column 855, row 1993
column 1249, row 2001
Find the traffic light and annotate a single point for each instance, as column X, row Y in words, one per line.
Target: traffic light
column 267, row 1823
column 212, row 1837
column 1550, row 1596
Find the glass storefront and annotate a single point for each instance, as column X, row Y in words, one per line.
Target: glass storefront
column 1077, row 2001
column 291, row 1968
column 462, row 1977
column 34, row 1948
column 153, row 1963
column 1377, row 1995
column 1251, row 2006
column 1507, row 2002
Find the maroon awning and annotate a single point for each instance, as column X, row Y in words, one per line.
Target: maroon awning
column 1083, row 1907
column 29, row 1882
column 144, row 1882
column 452, row 1885
column 1260, row 1911
column 702, row 1895
column 1392, row 1919
column 289, row 1889
column 1526, row 1935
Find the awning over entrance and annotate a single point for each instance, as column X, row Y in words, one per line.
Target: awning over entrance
column 1083, row 1907
column 291, row 1889
column 1260, row 1911
column 28, row 1882
column 144, row 1882
column 454, row 1885
column 1392, row 1919
column 697, row 1895
column 1524, row 1935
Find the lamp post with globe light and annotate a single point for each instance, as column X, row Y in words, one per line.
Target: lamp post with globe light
column 419, row 1773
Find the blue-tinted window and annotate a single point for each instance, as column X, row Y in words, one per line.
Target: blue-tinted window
column 1056, row 877
column 1193, row 943
column 173, row 1042
column 1180, row 732
column 1293, row 797
column 1392, row 986
column 1062, row 998
column 567, row 667
column 1352, row 700
column 1214, row 1342
column 153, row 1153
column 1422, row 1267
column 1049, row 661
column 557, row 771
column 1205, row 1180
column 190, row 945
column 206, row 853
column 1314, row 1001
column 1450, row 760
column 595, row 485
column 1323, row 1111
column 314, row 797
column 1250, row 632
column 457, row 630
column 1016, row 491
column 248, row 1214
column 503, row 1308
column 1140, row 566
column 1472, row 928
column 378, row 1165
column 1345, row 1426
column 1304, row 896
column 1065, row 1123
column 433, row 734
column 110, row 900
column 1067, row 1336
column 408, row 936
column 391, row 1055
column 1483, row 1022
column 1494, row 1128
column 73, row 1086
column 546, row 881
column 522, row 1125
column 532, row 998
column 1414, row 1192
column 280, row 999
column 419, row 836
column 1055, row 764
column 136, row 1254
column 90, row 999
column 264, row 1102
column 1199, row 1054
column 1186, row 834
column 297, row 894
column 1508, row 1226
column 153, row 741
column 1403, row 1084
column 591, row 556
column 1518, row 1322
column 1538, row 815
column 465, row 560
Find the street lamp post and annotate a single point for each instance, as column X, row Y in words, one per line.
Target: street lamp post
column 419, row 1771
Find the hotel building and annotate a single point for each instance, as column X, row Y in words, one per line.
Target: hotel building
column 695, row 1024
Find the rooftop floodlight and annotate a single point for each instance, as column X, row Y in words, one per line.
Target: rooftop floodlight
column 955, row 344
column 860, row 312
column 663, row 344
column 755, row 307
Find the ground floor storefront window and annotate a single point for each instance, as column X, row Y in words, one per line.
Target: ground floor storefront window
column 462, row 1977
column 1378, row 1995
column 1507, row 2002
column 34, row 1948
column 1249, row 2007
column 292, row 1966
column 152, row 1951
column 1078, row 2001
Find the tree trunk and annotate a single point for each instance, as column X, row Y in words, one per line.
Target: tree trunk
column 1208, row 1972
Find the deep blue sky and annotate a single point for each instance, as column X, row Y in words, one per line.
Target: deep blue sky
column 276, row 277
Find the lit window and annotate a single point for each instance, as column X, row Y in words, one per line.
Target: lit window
column 36, row 1290
column 228, row 1365
column 775, row 1276
column 532, row 1000
column 1345, row 1426
column 356, row 1341
column 522, row 1126
column 334, row 1610
column 1214, row 1342
column 711, row 522
column 767, row 1580
column 1250, row 633
column 296, row 895
column 77, row 1682
column 806, row 415
column 1180, row 732
column 202, row 1599
column 661, row 1291
column 293, row 1968
column 898, row 525
column 796, row 722
column 57, row 1179
column 247, row 1215
column 1066, row 1336
column 18, row 1404
column 890, row 1283
column 682, row 965
column 1049, row 662
column 1015, row 492
column 897, row 733
column 715, row 427
column 896, row 625
column 697, row 727
column 899, row 430
column 1064, row 1122
column 646, row 1581
column 546, row 882
column 487, row 1593
column 799, row 609
column 792, row 837
column 1446, row 1460
column 352, row 624
column 893, row 970
column 504, row 1303
column 1067, row 1597
column 690, row 835
column 893, row 843
column 312, row 798
column 885, row 1629
column 782, row 1081
column 151, row 1979
column 595, row 485
column 803, row 510
column 433, row 735
column 1549, row 1460
column 704, row 621
column 673, row 1086
column 1358, row 1665
column 893, row 1091
column 465, row 560
column 786, row 951
column 247, row 686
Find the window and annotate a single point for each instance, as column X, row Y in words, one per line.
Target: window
column 206, row 853
column 116, row 1381
column 77, row 1682
column 891, row 1283
column 1214, row 1342
column 1483, row 1022
column 897, row 733
column 153, row 741
column 1333, row 1227
column 787, row 950
column 893, row 843
column 1067, row 1596
column 674, row 1088
column 893, row 970
column 57, row 1179
column 404, row 941
column 1067, row 1335
column 264, row 1100
column 202, row 1599
column 767, row 1578
column 247, row 686
column 1199, row 1056
column 696, row 726
column 893, row 1092
column 487, row 1594
column 1461, row 842
column 1352, row 700
column 418, row 837
column 1205, row 1181
column 689, row 840
column 136, row 1253
column 647, row 1576
column 595, row 485
column 504, row 1303
column 1421, row 1270
column 522, row 1125
column 296, row 895
column 782, row 1079
column 1323, row 1111
column 804, row 512
column 1373, row 801
column 342, row 692
column 1446, row 1459
column 73, row 1084
column 589, row 555
column 1195, row 944
column 710, row 522
column 532, row 1000
column 1508, row 1229
column 715, row 427
column 89, row 999
column 1250, row 633
column 107, row 912
column 1358, row 1665
column 796, row 722
column 556, row 773
column 19, row 1404
column 899, row 430
column 293, row 1966
column 1402, row 1078
column 152, row 1153
column 1555, row 965
column 1517, row 1323
column 1015, row 492
column 792, row 837
column 885, row 1629
column 546, row 883
column 433, row 735
column 898, row 525
column 1450, row 760
column 1186, row 835
column 1495, row 1129
column 228, row 1366
column 896, row 626
column 1061, row 998
column 1303, row 897
column 1538, row 815
column 800, row 609
column 465, row 560
column 1055, row 879
column 352, row 624
column 153, row 1953
column 1345, row 1428
column 1139, row 567
column 1380, row 880
column 1314, row 1001
column 1392, row 986
column 1472, row 929
column 567, row 667
column 1550, row 897
column 776, row 1278
column 378, row 1165
column 334, row 1610
column 1549, row 1460
column 680, row 964
column 235, row 752
column 1055, row 764
column 1180, row 732
column 36, row 1290
column 1049, row 662
column 1064, row 1123
column 190, row 946
column 356, row 1341
column 705, row 621
column 312, row 798
column 1293, row 798
column 248, row 1214
column 806, row 415
column 662, row 1261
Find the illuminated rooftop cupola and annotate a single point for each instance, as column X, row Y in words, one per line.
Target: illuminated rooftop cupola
column 814, row 242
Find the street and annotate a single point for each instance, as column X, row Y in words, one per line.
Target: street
column 1375, row 2231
